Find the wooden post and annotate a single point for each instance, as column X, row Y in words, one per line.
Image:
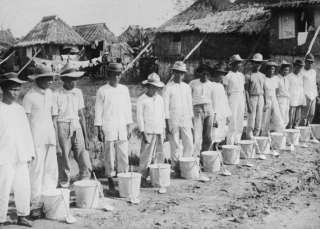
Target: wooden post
column 7, row 58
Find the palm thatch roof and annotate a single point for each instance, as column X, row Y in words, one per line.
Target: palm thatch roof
column 95, row 32
column 52, row 30
column 6, row 37
column 220, row 16
column 292, row 3
column 136, row 35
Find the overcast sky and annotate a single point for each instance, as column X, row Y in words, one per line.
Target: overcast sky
column 22, row 15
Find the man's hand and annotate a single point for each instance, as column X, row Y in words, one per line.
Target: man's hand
column 227, row 121
column 144, row 138
column 101, row 136
column 249, row 108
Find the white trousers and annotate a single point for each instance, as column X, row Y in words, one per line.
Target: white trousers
column 14, row 176
column 150, row 151
column 43, row 173
column 179, row 150
column 116, row 151
column 284, row 105
column 237, row 106
column 255, row 117
column 272, row 118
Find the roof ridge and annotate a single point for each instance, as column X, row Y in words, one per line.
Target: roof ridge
column 99, row 23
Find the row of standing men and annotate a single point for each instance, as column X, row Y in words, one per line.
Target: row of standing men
column 199, row 114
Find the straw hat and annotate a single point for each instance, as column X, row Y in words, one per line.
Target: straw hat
column 309, row 57
column 257, row 58
column 42, row 71
column 285, row 63
column 298, row 62
column 11, row 76
column 115, row 67
column 179, row 66
column 235, row 58
column 271, row 63
column 154, row 80
column 69, row 71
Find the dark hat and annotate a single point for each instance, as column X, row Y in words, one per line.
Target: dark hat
column 70, row 71
column 203, row 68
column 285, row 63
column 221, row 68
column 298, row 62
column 42, row 71
column 11, row 76
column 115, row 67
column 309, row 57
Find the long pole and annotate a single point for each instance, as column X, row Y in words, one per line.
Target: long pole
column 7, row 58
column 136, row 58
column 194, row 49
column 313, row 40
column 26, row 65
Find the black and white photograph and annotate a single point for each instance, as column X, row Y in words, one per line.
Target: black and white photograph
column 160, row 114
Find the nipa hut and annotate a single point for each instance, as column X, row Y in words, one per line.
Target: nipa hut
column 98, row 37
column 226, row 29
column 292, row 28
column 50, row 36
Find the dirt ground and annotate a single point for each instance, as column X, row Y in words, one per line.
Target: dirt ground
column 276, row 193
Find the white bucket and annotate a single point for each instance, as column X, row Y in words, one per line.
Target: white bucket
column 160, row 175
column 129, row 185
column 247, row 149
column 315, row 130
column 263, row 144
column 189, row 167
column 211, row 161
column 231, row 154
column 278, row 140
column 305, row 133
column 54, row 204
column 292, row 136
column 87, row 193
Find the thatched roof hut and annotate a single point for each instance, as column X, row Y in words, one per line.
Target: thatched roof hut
column 51, row 30
column 137, row 36
column 7, row 40
column 95, row 32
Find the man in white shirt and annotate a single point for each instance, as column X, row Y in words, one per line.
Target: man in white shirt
column 16, row 151
column 254, row 89
column 71, row 125
column 202, row 100
column 151, row 124
column 297, row 95
column 310, row 89
column 113, row 117
column 234, row 84
column 41, row 112
column 179, row 115
column 283, row 91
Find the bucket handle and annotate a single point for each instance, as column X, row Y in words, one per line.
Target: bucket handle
column 65, row 206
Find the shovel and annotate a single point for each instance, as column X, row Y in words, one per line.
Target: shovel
column 69, row 218
column 104, row 206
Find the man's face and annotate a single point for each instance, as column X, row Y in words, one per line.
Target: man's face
column 178, row 76
column 152, row 90
column 114, row 77
column 285, row 70
column 68, row 83
column 297, row 68
column 256, row 66
column 308, row 64
column 12, row 91
column 236, row 66
column 204, row 75
column 271, row 70
column 44, row 82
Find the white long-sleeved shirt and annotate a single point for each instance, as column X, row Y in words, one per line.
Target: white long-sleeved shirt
column 234, row 83
column 220, row 101
column 296, row 91
column 40, row 105
column 284, row 84
column 113, row 111
column 16, row 143
column 178, row 104
column 150, row 114
column 310, row 83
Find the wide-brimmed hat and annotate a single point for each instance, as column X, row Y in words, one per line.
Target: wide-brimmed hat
column 221, row 68
column 298, row 62
column 272, row 63
column 285, row 63
column 235, row 58
column 42, row 71
column 179, row 66
column 115, row 67
column 153, row 79
column 258, row 57
column 70, row 71
column 309, row 57
column 11, row 76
